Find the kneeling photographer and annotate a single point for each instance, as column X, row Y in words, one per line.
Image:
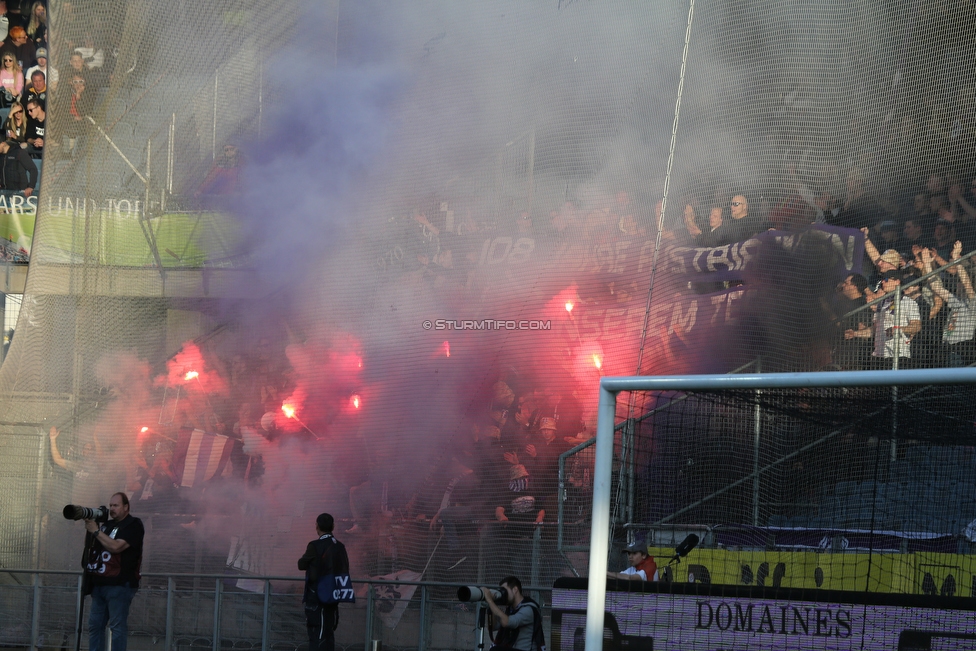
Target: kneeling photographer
column 520, row 624
column 113, row 561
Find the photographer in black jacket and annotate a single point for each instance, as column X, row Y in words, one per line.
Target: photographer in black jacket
column 18, row 173
column 323, row 556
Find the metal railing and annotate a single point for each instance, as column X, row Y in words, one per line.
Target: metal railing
column 38, row 613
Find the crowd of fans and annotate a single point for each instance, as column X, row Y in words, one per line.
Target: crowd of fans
column 29, row 89
column 501, row 468
column 907, row 238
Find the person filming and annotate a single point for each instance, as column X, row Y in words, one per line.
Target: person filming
column 520, row 623
column 114, row 560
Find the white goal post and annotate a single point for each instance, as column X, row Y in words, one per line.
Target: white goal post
column 603, row 467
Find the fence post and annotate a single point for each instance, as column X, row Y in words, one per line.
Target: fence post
column 369, row 616
column 218, row 594
column 536, row 555
column 213, row 140
column 895, row 359
column 170, row 589
column 36, row 612
column 756, row 440
column 422, row 642
column 78, row 605
column 266, row 619
column 482, row 534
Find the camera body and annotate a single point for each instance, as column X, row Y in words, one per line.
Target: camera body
column 75, row 512
column 470, row 593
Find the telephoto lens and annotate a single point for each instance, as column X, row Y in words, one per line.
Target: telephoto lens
column 75, row 512
column 469, row 593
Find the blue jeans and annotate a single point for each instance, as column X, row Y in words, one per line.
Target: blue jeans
column 109, row 606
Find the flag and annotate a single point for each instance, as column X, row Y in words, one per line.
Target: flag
column 200, row 456
column 391, row 600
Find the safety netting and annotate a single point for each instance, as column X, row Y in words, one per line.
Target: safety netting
column 372, row 260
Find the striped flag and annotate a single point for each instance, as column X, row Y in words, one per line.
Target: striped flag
column 200, row 456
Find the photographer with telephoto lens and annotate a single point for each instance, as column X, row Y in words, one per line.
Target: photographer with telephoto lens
column 520, row 624
column 113, row 563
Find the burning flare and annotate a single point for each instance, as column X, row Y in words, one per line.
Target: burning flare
column 569, row 306
column 355, row 401
column 597, row 362
column 447, row 348
column 144, row 430
column 191, row 375
column 288, row 410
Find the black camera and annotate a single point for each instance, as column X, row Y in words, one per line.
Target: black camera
column 469, row 593
column 75, row 512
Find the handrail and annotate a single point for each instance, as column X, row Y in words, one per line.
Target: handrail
column 189, row 575
column 118, row 151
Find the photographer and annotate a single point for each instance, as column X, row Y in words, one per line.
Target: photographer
column 114, row 559
column 520, row 624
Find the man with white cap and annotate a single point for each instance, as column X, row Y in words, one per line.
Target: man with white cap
column 642, row 565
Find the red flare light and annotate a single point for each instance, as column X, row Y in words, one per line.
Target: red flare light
column 191, row 375
column 288, row 410
column 447, row 348
column 355, row 402
column 144, row 430
column 569, row 306
column 597, row 362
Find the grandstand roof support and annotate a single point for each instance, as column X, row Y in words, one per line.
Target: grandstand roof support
column 603, row 466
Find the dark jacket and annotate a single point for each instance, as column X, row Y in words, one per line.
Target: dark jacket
column 30, row 93
column 61, row 103
column 35, row 130
column 25, row 54
column 18, row 171
column 322, row 557
column 122, row 568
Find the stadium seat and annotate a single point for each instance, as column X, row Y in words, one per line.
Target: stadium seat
column 919, row 456
column 829, row 509
column 845, row 489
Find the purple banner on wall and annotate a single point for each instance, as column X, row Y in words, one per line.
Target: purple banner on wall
column 733, row 261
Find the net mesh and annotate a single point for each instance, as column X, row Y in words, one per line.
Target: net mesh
column 442, row 227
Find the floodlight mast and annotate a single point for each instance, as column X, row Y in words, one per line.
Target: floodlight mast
column 603, row 465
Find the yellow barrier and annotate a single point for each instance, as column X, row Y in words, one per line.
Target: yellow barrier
column 910, row 573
